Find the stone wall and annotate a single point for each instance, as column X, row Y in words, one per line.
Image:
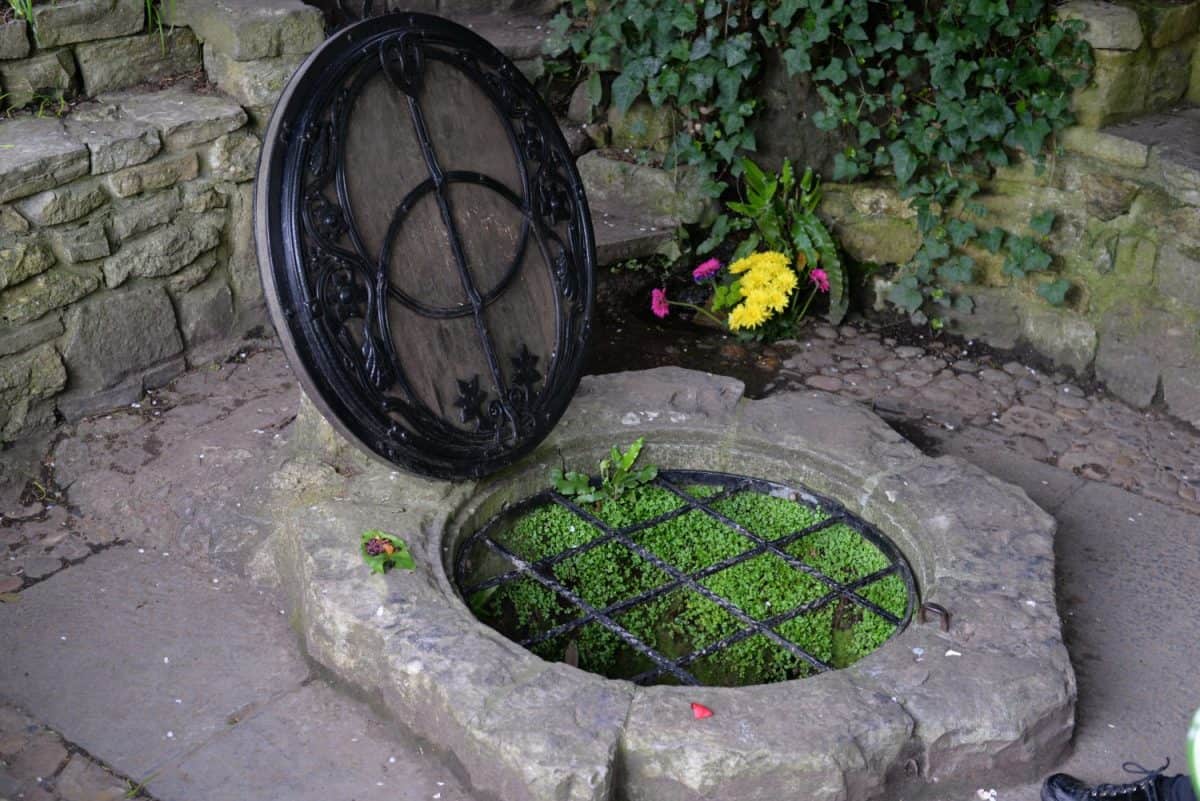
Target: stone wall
column 1127, row 229
column 126, row 249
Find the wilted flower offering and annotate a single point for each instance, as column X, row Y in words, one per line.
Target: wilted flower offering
column 820, row 279
column 659, row 304
column 706, row 270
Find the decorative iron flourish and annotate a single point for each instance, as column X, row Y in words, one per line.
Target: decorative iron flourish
column 343, row 292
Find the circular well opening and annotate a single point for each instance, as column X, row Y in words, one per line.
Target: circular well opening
column 696, row 578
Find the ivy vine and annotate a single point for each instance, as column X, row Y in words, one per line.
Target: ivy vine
column 934, row 94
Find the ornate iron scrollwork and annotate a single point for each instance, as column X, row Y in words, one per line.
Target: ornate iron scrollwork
column 313, row 253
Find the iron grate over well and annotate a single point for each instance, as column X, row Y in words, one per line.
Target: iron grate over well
column 760, row 595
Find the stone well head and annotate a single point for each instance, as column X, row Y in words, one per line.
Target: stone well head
column 435, row 305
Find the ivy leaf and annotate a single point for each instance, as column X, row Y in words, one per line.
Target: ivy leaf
column 1042, row 223
column 903, row 161
column 832, row 72
column 1054, row 292
column 906, row 295
column 595, row 90
column 625, row 90
column 993, row 240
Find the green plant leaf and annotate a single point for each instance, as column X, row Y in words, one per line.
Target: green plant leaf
column 1054, row 292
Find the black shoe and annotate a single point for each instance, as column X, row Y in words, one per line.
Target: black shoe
column 1152, row 787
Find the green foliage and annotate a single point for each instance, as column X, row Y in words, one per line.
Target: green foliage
column 682, row 621
column 934, row 94
column 382, row 552
column 617, row 476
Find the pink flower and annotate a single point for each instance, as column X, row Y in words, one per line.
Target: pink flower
column 658, row 303
column 820, row 278
column 706, row 270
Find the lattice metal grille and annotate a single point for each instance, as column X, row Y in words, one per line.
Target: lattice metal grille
column 489, row 539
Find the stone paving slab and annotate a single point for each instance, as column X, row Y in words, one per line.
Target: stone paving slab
column 194, row 683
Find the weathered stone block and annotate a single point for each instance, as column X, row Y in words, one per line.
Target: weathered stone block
column 118, row 63
column 1061, row 335
column 138, row 215
column 16, row 338
column 1106, row 147
column 14, row 39
column 1167, row 24
column 113, row 143
column 1181, row 392
column 25, row 379
column 206, row 195
column 156, row 174
column 192, row 275
column 1169, row 74
column 183, row 116
column 23, row 258
column 12, row 222
column 251, row 83
column 70, row 21
column 643, row 127
column 206, row 312
column 1136, row 256
column 165, row 250
column 63, row 204
column 871, row 223
column 37, row 154
column 234, row 157
column 995, row 318
column 1127, row 334
column 252, row 29
column 243, row 262
column 1110, row 26
column 81, row 243
column 46, row 292
column 1179, row 274
column 1118, row 89
column 659, row 196
column 1107, row 196
column 1179, row 165
column 49, row 75
column 114, row 334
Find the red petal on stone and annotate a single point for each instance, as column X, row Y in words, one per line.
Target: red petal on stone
column 701, row 711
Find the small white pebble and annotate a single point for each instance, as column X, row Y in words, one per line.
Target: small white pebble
column 166, row 660
column 179, row 700
column 378, row 784
column 216, row 581
column 63, row 638
column 391, row 760
column 1031, row 602
column 170, row 735
column 952, row 652
column 141, row 550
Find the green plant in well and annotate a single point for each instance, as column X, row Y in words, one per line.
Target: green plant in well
column 682, row 621
column 617, row 476
column 932, row 95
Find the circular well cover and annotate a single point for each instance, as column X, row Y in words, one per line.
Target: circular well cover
column 425, row 246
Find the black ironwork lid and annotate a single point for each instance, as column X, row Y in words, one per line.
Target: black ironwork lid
column 425, row 246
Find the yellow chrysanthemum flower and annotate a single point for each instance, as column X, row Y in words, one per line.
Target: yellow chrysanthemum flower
column 747, row 314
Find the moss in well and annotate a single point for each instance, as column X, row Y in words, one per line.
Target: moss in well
column 683, row 621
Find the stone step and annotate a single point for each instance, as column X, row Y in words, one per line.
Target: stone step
column 1171, row 140
column 247, row 30
column 621, row 236
column 518, row 36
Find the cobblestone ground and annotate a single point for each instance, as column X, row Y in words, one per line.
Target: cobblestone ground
column 37, row 765
column 1040, row 415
